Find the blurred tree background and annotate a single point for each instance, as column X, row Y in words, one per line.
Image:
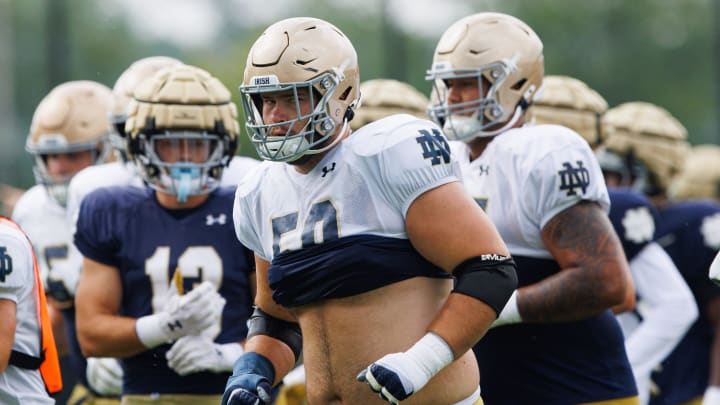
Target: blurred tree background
column 662, row 51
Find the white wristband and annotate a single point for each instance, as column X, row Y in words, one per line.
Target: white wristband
column 431, row 354
column 510, row 312
column 712, row 395
column 150, row 332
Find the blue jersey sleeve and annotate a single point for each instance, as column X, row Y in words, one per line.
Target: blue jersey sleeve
column 95, row 233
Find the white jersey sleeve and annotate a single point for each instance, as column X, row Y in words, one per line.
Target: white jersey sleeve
column 560, row 174
column 17, row 284
column 407, row 156
column 244, row 208
column 16, row 264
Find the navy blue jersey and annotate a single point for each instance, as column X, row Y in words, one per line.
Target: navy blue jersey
column 125, row 227
column 554, row 358
column 634, row 217
column 690, row 233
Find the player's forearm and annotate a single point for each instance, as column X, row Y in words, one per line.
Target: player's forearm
column 462, row 322
column 572, row 294
column 279, row 354
column 108, row 336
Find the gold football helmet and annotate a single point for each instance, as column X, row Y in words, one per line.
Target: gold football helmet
column 293, row 54
column 570, row 102
column 700, row 175
column 497, row 49
column 73, row 117
column 123, row 93
column 182, row 109
column 383, row 97
column 649, row 141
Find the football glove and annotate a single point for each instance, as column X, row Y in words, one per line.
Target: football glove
column 189, row 314
column 104, row 375
column 396, row 376
column 62, row 281
column 192, row 354
column 251, row 382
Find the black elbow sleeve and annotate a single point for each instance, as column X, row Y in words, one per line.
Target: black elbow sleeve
column 489, row 278
column 261, row 323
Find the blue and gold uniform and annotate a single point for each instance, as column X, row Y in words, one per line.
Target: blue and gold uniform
column 522, row 185
column 125, row 227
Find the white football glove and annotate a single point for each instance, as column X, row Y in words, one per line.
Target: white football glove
column 189, row 314
column 192, row 354
column 104, row 375
column 396, row 376
column 62, row 281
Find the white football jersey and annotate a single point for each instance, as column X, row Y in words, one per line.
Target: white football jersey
column 237, row 169
column 522, row 185
column 363, row 186
column 45, row 223
column 17, row 283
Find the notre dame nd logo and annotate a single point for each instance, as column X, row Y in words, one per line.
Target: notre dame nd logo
column 6, row 265
column 434, row 146
column 573, row 178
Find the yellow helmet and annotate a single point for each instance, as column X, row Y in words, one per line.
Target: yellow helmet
column 73, row 117
column 492, row 47
column 123, row 93
column 700, row 175
column 384, row 97
column 300, row 53
column 572, row 103
column 182, row 104
column 649, row 135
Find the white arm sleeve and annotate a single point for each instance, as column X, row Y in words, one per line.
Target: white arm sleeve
column 667, row 307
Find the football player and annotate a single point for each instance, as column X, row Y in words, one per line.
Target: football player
column 557, row 340
column 24, row 378
column 644, row 147
column 69, row 132
column 383, row 97
column 665, row 306
column 102, row 376
column 166, row 255
column 356, row 238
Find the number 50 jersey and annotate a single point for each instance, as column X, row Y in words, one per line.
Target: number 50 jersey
column 339, row 230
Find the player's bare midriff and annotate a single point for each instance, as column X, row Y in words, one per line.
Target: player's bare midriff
column 343, row 336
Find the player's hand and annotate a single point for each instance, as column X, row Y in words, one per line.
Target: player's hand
column 62, row 281
column 189, row 314
column 251, row 382
column 192, row 354
column 390, row 377
column 396, row 376
column 104, row 375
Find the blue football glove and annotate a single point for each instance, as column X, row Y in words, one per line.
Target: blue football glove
column 251, row 382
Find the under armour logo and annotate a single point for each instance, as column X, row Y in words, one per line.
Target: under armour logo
column 482, row 170
column 434, row 146
column 572, row 178
column 220, row 220
column 325, row 169
column 6, row 265
column 174, row 325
